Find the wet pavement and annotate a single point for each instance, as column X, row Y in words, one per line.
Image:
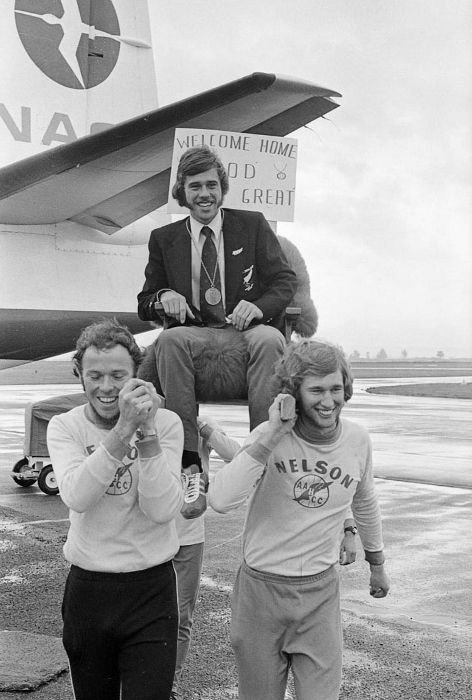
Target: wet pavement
column 422, row 439
column 423, row 465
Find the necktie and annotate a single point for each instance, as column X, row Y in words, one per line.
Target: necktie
column 211, row 303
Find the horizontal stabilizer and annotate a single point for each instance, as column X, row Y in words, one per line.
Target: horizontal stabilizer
column 109, row 179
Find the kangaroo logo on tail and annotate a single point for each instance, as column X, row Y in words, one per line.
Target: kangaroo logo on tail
column 76, row 43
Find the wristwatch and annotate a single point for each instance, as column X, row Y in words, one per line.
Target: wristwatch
column 351, row 528
column 141, row 435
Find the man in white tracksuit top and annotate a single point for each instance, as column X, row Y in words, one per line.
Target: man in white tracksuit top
column 302, row 475
column 117, row 462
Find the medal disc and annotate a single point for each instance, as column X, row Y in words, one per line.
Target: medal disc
column 213, row 296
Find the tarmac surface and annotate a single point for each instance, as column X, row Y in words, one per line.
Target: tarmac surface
column 415, row 644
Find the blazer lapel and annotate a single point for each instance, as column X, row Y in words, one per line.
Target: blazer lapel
column 178, row 255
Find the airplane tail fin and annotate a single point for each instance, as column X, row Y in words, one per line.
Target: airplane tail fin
column 74, row 68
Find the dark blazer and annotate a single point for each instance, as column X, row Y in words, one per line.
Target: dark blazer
column 256, row 269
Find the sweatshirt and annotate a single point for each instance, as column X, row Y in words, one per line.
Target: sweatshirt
column 122, row 512
column 299, row 498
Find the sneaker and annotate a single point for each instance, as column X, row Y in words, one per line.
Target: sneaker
column 195, row 485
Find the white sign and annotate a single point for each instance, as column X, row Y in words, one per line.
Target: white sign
column 261, row 170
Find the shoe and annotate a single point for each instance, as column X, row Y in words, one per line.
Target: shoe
column 195, row 485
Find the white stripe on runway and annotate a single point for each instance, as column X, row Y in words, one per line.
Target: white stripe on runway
column 8, row 525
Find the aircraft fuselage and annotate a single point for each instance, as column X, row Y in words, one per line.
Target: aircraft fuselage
column 56, row 279
column 24, row 125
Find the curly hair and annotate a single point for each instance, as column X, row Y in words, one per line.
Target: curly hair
column 104, row 335
column 193, row 162
column 311, row 357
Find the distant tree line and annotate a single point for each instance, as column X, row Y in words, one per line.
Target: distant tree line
column 382, row 355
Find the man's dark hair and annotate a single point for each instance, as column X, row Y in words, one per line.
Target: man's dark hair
column 103, row 336
column 307, row 358
column 193, row 162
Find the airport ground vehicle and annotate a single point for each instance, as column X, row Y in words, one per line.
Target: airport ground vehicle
column 35, row 466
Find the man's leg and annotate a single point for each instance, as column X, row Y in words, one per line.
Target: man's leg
column 265, row 346
column 88, row 611
column 176, row 349
column 188, row 567
column 147, row 630
column 257, row 629
column 314, row 640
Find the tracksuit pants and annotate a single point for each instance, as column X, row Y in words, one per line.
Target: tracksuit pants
column 283, row 622
column 120, row 633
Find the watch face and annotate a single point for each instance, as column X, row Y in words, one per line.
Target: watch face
column 351, row 528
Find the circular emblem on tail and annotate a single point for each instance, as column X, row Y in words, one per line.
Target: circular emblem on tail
column 71, row 41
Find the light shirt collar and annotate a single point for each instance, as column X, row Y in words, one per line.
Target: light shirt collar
column 215, row 225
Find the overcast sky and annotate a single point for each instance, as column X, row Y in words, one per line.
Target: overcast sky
column 383, row 202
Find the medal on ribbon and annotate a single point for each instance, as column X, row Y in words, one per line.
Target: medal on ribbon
column 213, row 296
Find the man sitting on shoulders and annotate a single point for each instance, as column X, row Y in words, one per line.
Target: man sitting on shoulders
column 219, row 273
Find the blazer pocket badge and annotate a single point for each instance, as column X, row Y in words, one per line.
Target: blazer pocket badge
column 238, row 251
column 247, row 277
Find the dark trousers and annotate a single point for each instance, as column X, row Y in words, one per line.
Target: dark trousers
column 176, row 351
column 120, row 633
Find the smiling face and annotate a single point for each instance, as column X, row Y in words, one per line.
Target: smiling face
column 104, row 373
column 320, row 401
column 203, row 195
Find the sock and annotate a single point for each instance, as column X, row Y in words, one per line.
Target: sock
column 189, row 457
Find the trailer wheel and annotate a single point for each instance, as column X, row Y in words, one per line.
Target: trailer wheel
column 47, row 481
column 19, row 468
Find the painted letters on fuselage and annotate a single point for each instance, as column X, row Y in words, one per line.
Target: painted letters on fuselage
column 59, row 129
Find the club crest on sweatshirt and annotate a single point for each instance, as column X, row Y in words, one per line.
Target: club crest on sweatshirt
column 123, row 479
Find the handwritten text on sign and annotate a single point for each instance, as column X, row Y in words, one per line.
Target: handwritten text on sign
column 261, row 170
